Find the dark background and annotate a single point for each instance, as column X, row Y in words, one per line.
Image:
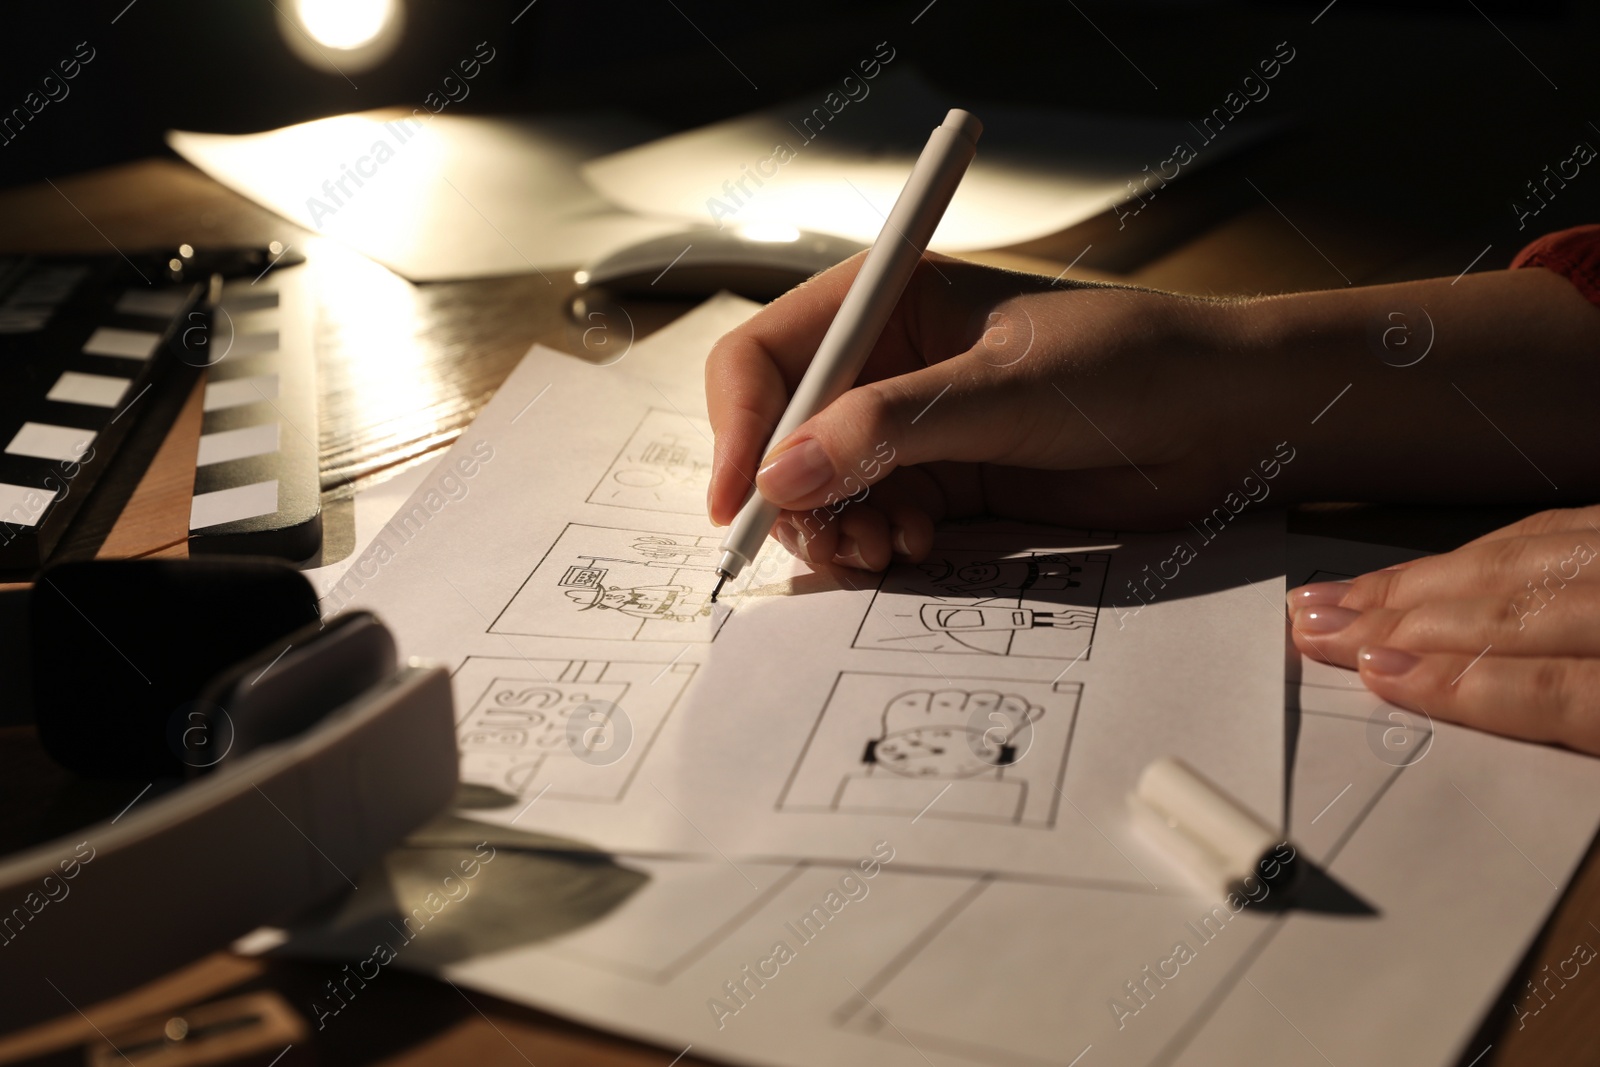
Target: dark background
column 1449, row 117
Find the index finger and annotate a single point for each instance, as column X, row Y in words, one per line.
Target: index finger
column 752, row 370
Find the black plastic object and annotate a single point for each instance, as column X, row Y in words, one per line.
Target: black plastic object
column 257, row 486
column 82, row 338
column 121, row 649
column 257, row 840
column 289, row 685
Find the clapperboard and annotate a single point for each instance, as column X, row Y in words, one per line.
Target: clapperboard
column 256, row 486
column 81, row 340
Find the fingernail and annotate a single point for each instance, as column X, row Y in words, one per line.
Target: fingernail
column 1324, row 619
column 1318, row 593
column 796, row 472
column 849, row 554
column 785, row 533
column 899, row 542
column 1380, row 660
column 802, row 544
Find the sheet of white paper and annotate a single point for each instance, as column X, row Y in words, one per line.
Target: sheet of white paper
column 997, row 701
column 1471, row 832
column 373, row 508
column 676, row 353
column 1442, row 850
column 654, row 356
column 437, row 197
column 1037, row 171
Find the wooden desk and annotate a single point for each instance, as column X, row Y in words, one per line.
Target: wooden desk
column 458, row 342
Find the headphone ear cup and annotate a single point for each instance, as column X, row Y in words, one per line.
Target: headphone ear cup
column 275, row 695
column 121, row 647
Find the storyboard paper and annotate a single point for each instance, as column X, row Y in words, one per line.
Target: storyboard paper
column 988, row 709
column 1440, row 849
column 1437, row 853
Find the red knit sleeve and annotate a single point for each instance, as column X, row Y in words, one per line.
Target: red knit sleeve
column 1574, row 254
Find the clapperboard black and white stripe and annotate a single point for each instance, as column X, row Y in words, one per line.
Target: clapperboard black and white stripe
column 81, row 340
column 256, row 484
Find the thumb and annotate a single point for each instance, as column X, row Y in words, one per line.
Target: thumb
column 947, row 411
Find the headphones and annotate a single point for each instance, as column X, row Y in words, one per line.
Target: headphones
column 280, row 757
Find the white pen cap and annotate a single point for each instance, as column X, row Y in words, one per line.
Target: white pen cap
column 1208, row 833
column 964, row 123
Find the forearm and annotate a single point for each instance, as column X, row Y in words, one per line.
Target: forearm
column 1482, row 389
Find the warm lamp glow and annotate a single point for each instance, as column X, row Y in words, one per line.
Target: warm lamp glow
column 770, row 232
column 344, row 24
column 342, row 36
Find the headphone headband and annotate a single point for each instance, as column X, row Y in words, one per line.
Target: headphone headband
column 313, row 757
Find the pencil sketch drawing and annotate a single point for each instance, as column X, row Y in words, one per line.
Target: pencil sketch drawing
column 569, row 729
column 619, row 584
column 975, row 749
column 665, row 466
column 979, row 602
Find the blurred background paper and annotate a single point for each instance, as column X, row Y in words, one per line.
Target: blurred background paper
column 1038, row 170
column 451, row 197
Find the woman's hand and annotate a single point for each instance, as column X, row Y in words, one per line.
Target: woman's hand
column 1012, row 395
column 1503, row 634
column 989, row 393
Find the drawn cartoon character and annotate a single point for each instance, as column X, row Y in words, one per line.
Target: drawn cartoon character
column 669, row 603
column 951, row 733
